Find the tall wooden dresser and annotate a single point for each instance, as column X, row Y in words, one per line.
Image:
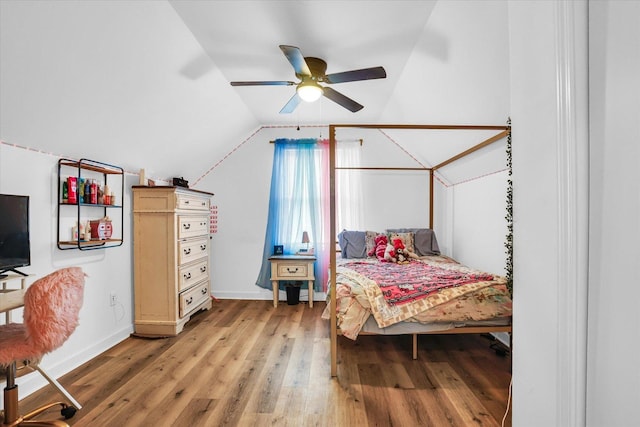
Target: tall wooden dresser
column 171, row 257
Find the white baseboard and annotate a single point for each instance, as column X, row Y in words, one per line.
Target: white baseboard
column 265, row 295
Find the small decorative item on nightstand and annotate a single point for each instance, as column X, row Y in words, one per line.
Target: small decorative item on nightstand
column 278, row 249
column 305, row 240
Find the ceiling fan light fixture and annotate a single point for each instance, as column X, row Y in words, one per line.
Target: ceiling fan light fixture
column 309, row 91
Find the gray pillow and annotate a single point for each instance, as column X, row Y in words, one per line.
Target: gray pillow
column 424, row 240
column 352, row 244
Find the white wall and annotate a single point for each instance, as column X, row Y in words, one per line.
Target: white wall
column 479, row 226
column 533, row 89
column 613, row 382
column 109, row 271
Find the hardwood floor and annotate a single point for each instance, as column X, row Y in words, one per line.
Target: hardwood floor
column 245, row 363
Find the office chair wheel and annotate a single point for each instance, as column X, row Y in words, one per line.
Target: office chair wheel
column 68, row 412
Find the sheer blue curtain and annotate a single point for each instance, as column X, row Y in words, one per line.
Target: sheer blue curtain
column 298, row 202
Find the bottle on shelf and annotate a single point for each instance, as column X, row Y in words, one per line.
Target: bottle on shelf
column 72, row 189
column 94, row 192
column 85, row 191
column 74, row 232
column 106, row 195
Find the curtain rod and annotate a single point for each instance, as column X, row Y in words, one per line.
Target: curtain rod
column 380, row 168
column 360, row 140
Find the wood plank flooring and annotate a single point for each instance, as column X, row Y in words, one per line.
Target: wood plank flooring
column 246, row 363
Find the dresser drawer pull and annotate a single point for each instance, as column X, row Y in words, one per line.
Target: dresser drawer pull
column 186, row 202
column 203, row 247
column 292, row 271
column 187, row 276
column 186, row 226
column 189, row 300
column 203, row 269
column 187, row 251
column 203, row 291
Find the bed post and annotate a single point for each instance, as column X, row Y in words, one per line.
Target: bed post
column 431, row 199
column 332, row 250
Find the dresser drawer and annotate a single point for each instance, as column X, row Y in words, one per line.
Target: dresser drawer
column 192, row 249
column 187, row 276
column 189, row 202
column 192, row 298
column 190, row 226
column 292, row 269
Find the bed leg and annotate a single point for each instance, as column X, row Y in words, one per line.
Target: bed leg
column 415, row 346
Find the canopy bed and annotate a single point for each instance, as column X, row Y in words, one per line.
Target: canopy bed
column 364, row 295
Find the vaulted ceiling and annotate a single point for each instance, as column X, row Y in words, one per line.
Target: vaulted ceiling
column 147, row 83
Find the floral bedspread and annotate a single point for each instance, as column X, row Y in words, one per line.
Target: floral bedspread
column 403, row 283
column 359, row 296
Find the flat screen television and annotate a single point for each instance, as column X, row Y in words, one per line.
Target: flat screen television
column 15, row 249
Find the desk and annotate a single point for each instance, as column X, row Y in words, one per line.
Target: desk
column 292, row 267
column 10, row 299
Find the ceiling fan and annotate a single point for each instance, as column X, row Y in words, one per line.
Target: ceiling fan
column 311, row 71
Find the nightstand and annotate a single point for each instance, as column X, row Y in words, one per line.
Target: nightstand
column 292, row 267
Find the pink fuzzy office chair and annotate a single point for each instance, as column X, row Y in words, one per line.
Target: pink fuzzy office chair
column 51, row 307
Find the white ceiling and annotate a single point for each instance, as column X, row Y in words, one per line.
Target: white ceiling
column 146, row 83
column 242, row 37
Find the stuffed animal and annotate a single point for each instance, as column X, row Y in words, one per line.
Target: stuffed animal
column 382, row 249
column 389, row 254
column 402, row 253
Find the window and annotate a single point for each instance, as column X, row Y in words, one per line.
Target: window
column 298, row 202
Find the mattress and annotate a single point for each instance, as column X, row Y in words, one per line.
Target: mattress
column 428, row 294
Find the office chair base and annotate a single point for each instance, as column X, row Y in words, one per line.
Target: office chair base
column 11, row 417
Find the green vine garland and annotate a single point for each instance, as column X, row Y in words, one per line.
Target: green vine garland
column 508, row 244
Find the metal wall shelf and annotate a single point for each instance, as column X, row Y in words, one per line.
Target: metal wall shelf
column 90, row 211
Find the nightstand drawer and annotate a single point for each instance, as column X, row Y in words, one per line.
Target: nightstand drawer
column 187, row 276
column 189, row 226
column 191, row 250
column 289, row 269
column 191, row 299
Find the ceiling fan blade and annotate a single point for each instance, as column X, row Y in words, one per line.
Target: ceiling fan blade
column 264, row 83
column 342, row 100
column 291, row 104
column 355, row 75
column 296, row 59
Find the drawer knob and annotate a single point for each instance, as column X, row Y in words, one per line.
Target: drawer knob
column 189, row 300
column 186, row 226
column 203, row 247
column 289, row 270
column 186, row 202
column 187, row 276
column 203, row 268
column 187, row 251
column 203, row 291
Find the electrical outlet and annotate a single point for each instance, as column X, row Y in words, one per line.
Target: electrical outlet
column 112, row 299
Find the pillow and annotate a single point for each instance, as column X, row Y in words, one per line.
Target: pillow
column 425, row 241
column 407, row 239
column 352, row 244
column 370, row 241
